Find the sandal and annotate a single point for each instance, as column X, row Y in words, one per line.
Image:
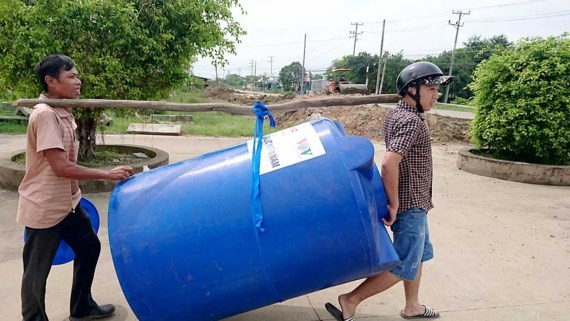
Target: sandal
column 429, row 313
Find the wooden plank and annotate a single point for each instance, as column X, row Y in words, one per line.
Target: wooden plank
column 18, row 118
column 155, row 129
column 24, row 111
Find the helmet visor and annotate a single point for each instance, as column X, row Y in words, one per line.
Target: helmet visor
column 435, row 80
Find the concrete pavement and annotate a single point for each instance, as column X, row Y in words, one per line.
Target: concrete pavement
column 502, row 249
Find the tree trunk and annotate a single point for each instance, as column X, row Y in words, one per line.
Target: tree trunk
column 86, row 134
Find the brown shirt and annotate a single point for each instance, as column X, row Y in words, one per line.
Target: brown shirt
column 406, row 133
column 45, row 198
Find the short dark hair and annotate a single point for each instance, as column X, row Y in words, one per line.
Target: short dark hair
column 52, row 65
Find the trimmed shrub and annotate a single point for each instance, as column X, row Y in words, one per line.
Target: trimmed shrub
column 522, row 96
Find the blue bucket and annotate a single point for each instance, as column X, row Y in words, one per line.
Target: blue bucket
column 185, row 244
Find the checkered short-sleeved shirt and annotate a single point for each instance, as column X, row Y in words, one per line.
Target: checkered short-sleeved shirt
column 405, row 133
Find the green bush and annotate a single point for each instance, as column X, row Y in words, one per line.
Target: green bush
column 522, row 96
column 461, row 101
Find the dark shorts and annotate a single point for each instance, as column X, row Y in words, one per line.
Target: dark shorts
column 411, row 241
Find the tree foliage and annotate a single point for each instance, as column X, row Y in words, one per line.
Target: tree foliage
column 235, row 80
column 125, row 49
column 394, row 65
column 358, row 64
column 523, row 100
column 290, row 75
column 475, row 50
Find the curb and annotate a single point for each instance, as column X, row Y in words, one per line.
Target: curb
column 531, row 173
column 11, row 174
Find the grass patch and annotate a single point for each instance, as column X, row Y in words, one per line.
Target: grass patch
column 215, row 124
column 189, row 97
column 13, row 127
column 439, row 106
column 120, row 125
column 463, row 108
column 7, row 111
column 220, row 124
column 19, row 159
column 106, row 156
column 109, row 157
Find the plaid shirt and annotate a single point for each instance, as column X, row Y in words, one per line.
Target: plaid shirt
column 405, row 133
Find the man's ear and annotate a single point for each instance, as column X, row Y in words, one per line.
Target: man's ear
column 412, row 90
column 50, row 81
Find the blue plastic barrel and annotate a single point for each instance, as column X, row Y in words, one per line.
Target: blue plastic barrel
column 184, row 241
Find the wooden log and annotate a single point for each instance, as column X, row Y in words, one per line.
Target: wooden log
column 224, row 107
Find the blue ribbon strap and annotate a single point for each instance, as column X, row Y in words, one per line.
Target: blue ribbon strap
column 260, row 111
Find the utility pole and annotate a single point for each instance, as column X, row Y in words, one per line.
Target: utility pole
column 302, row 83
column 251, row 65
column 271, row 64
column 383, row 73
column 355, row 34
column 255, row 68
column 457, row 25
column 380, row 59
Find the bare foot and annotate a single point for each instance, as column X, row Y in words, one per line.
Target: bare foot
column 347, row 306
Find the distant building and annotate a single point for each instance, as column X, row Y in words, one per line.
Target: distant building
column 319, row 85
column 206, row 81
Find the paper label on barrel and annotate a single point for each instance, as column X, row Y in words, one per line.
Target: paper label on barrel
column 288, row 147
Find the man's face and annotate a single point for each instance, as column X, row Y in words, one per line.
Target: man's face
column 429, row 95
column 67, row 85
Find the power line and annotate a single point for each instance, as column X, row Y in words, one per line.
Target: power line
column 435, row 15
column 292, row 43
column 506, row 4
column 421, row 27
column 530, row 17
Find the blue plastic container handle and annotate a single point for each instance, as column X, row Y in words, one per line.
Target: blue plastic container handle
column 64, row 253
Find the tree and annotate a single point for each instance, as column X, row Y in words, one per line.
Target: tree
column 125, row 49
column 290, row 75
column 358, row 65
column 395, row 63
column 235, row 81
column 466, row 60
column 318, row 77
column 523, row 102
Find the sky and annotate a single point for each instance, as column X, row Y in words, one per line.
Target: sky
column 276, row 29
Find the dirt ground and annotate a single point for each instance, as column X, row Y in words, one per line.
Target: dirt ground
column 367, row 120
column 360, row 120
column 502, row 249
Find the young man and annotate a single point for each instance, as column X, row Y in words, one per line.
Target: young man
column 407, row 176
column 49, row 205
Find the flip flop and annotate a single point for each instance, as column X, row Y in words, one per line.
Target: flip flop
column 336, row 313
column 429, row 313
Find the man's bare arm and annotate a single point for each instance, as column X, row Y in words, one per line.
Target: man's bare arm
column 390, row 172
column 65, row 168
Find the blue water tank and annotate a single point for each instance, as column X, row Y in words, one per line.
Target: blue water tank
column 184, row 240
